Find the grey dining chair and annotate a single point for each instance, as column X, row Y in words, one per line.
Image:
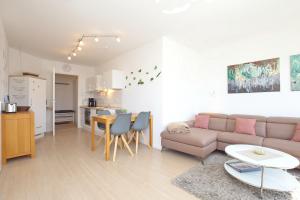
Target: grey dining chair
column 102, row 112
column 119, row 128
column 100, row 125
column 120, row 111
column 141, row 123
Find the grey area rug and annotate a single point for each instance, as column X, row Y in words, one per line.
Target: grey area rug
column 212, row 182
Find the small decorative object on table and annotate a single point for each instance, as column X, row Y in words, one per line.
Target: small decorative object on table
column 259, row 151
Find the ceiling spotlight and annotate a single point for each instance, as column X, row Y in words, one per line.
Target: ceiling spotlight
column 69, row 58
column 79, row 48
column 96, row 39
column 81, row 43
column 74, row 54
column 118, row 39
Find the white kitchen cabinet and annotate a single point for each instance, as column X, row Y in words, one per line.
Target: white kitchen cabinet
column 113, row 79
column 94, row 83
column 30, row 91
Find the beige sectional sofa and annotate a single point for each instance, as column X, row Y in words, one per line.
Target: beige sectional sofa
column 273, row 132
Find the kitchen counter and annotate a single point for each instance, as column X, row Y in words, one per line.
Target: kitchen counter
column 101, row 107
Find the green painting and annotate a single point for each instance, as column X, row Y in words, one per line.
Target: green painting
column 295, row 72
column 259, row 76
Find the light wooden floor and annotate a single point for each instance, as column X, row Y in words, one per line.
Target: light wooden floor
column 65, row 168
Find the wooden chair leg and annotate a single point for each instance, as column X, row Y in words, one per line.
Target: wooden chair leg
column 116, row 147
column 126, row 145
column 136, row 142
column 120, row 143
column 131, row 136
column 111, row 141
column 143, row 135
column 100, row 140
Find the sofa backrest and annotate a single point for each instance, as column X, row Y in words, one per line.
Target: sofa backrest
column 260, row 128
column 216, row 121
column 281, row 127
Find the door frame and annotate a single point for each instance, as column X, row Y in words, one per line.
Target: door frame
column 77, row 118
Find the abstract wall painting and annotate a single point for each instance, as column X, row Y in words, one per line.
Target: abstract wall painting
column 258, row 76
column 295, row 72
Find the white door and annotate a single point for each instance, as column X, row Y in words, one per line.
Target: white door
column 38, row 103
column 53, row 101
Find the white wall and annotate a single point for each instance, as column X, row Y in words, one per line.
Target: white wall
column 264, row 46
column 147, row 97
column 3, row 63
column 22, row 62
column 3, row 75
column 182, row 82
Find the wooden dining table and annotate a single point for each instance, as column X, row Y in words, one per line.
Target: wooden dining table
column 107, row 120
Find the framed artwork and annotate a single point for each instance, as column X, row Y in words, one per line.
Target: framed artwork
column 258, row 76
column 295, row 72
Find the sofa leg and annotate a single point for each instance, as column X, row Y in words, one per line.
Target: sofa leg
column 163, row 148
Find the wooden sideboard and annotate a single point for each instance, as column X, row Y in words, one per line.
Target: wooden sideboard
column 17, row 135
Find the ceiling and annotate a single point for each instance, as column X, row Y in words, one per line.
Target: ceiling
column 50, row 28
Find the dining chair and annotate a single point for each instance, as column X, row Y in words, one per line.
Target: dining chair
column 100, row 125
column 141, row 123
column 120, row 111
column 119, row 128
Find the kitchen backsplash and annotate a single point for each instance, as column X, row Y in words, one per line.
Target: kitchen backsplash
column 112, row 97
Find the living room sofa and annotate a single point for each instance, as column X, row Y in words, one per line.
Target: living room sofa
column 272, row 132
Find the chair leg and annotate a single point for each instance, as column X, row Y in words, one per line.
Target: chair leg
column 120, row 143
column 100, row 140
column 116, row 147
column 143, row 135
column 136, row 142
column 126, row 145
column 131, row 136
column 111, row 141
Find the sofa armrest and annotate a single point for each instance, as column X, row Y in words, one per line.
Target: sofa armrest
column 190, row 123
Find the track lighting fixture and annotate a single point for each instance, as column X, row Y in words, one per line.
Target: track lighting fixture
column 81, row 43
column 96, row 38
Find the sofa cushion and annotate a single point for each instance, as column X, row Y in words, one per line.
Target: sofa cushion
column 260, row 127
column 296, row 136
column 237, row 138
column 245, row 126
column 201, row 121
column 198, row 137
column 216, row 121
column 287, row 146
column 281, row 127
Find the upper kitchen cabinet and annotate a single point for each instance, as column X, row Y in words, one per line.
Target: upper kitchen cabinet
column 95, row 83
column 113, row 79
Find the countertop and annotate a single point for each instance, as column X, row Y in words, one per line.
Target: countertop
column 101, row 107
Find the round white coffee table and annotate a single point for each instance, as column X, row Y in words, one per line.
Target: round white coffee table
column 273, row 163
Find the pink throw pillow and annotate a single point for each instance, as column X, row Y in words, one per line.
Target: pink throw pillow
column 245, row 126
column 201, row 121
column 296, row 137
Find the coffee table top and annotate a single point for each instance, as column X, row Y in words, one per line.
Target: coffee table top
column 272, row 158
